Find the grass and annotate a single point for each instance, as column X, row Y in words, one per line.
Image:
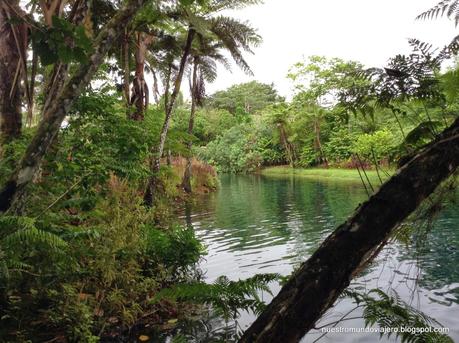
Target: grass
column 326, row 173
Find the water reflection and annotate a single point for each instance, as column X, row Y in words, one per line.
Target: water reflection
column 257, row 224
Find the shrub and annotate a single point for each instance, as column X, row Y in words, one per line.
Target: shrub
column 375, row 147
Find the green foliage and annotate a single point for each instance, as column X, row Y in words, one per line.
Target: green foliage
column 84, row 258
column 376, row 146
column 176, row 248
column 63, row 42
column 340, row 143
column 423, row 133
column 391, row 312
column 246, row 98
column 240, row 149
column 101, row 264
column 100, row 140
column 225, row 296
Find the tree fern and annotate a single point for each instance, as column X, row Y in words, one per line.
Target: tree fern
column 448, row 7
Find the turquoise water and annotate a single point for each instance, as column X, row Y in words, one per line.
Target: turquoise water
column 260, row 224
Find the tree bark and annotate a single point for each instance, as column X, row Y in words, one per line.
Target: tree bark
column 126, row 70
column 287, row 145
column 320, row 280
column 155, row 87
column 14, row 188
column 186, row 181
column 31, row 99
column 60, row 72
column 155, row 163
column 317, row 142
column 139, row 96
column 10, row 73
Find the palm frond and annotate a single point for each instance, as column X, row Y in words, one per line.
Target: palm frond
column 235, row 36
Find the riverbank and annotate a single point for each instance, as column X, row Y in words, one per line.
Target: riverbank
column 328, row 173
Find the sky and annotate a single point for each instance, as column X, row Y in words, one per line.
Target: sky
column 368, row 31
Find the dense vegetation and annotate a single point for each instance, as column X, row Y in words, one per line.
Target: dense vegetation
column 93, row 170
column 317, row 127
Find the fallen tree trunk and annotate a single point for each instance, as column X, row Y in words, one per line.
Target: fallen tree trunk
column 58, row 109
column 320, row 280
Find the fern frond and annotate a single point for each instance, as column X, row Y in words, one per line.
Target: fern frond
column 390, row 311
column 23, row 230
column 225, row 296
column 450, row 7
column 221, row 5
column 33, row 236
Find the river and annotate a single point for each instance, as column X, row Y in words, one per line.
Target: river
column 259, row 224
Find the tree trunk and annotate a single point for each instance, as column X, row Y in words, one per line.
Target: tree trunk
column 155, row 87
column 287, row 145
column 60, row 72
column 317, row 142
column 13, row 190
column 155, row 163
column 139, row 96
column 186, row 182
column 10, row 75
column 320, row 280
column 31, row 99
column 126, row 70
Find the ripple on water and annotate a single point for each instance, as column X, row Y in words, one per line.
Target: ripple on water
column 257, row 224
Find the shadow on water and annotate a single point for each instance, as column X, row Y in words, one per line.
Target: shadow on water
column 260, row 224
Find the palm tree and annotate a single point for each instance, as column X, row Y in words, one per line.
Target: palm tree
column 204, row 68
column 157, row 152
column 234, row 35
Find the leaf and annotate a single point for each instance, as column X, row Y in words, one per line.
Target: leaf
column 424, row 130
column 81, row 39
column 65, row 53
column 186, row 2
column 144, row 338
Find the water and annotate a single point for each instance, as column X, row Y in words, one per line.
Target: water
column 257, row 224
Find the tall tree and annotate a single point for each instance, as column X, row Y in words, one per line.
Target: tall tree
column 79, row 13
column 207, row 52
column 235, row 36
column 13, row 47
column 196, row 91
column 248, row 98
column 204, row 68
column 15, row 186
column 139, row 95
column 155, row 160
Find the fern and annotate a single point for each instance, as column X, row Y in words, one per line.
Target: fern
column 225, row 296
column 23, row 230
column 391, row 312
column 448, row 7
column 18, row 233
column 424, row 131
column 220, row 5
